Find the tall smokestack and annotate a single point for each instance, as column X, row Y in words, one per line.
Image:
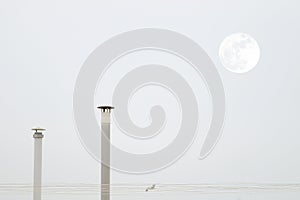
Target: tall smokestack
column 105, row 151
column 37, row 179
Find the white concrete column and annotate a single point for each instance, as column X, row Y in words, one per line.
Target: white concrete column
column 105, row 152
column 37, row 178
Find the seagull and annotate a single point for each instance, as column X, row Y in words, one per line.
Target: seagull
column 150, row 188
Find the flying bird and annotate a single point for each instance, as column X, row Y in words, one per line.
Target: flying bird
column 150, row 188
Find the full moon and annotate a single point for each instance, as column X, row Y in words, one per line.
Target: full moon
column 239, row 53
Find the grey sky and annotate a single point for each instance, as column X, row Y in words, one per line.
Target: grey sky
column 43, row 45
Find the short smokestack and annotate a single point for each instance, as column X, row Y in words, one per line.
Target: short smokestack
column 37, row 178
column 105, row 151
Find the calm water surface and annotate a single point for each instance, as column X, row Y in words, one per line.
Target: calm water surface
column 161, row 192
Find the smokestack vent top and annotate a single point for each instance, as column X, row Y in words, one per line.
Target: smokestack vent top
column 36, row 129
column 105, row 108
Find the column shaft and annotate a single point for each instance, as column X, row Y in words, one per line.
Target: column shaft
column 105, row 156
column 37, row 180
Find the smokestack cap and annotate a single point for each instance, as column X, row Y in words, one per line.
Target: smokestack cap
column 105, row 108
column 38, row 129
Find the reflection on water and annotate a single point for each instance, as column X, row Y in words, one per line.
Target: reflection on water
column 160, row 192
